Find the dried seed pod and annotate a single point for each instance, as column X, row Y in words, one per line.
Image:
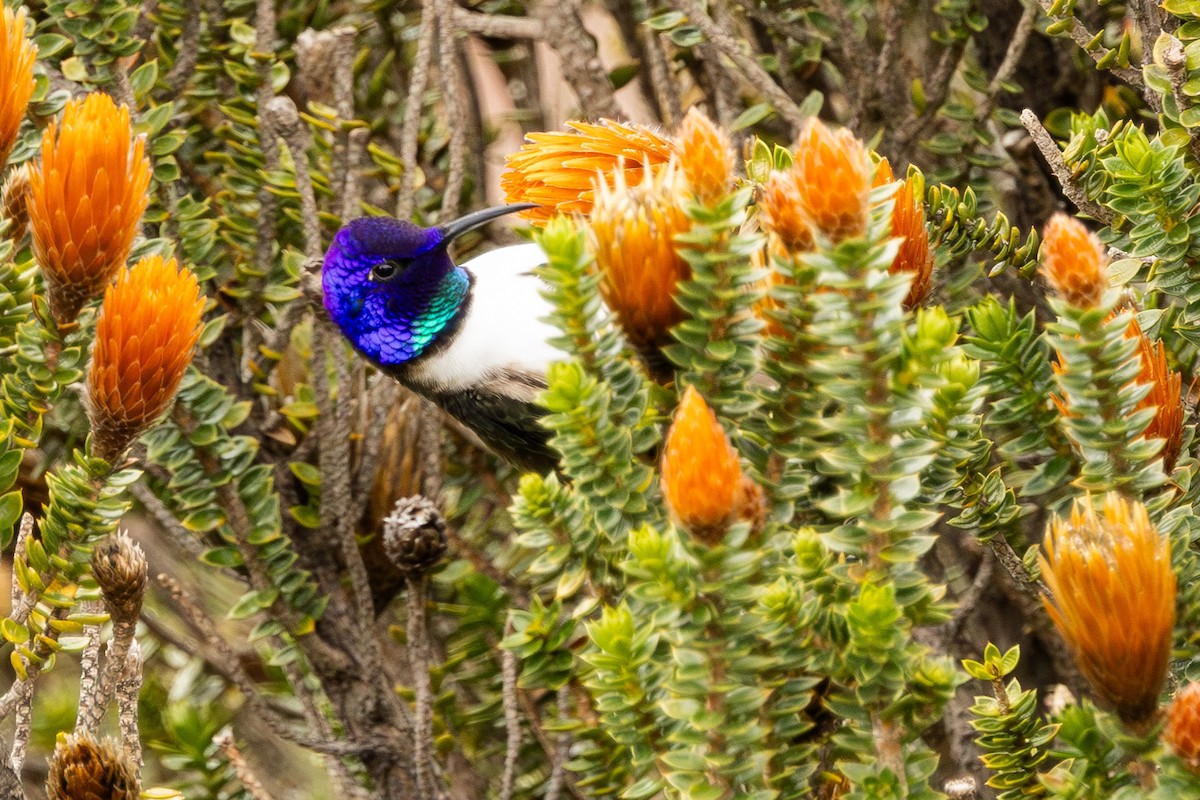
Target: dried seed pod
column 414, row 535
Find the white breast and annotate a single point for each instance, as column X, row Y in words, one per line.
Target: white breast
column 503, row 335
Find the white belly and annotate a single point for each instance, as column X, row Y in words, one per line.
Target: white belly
column 503, row 336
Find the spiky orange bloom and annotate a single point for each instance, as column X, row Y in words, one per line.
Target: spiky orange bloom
column 700, row 470
column 1183, row 726
column 1074, row 261
column 1165, row 395
column 883, row 173
column 1114, row 600
column 557, row 169
column 706, row 155
column 781, row 213
column 915, row 256
column 635, row 229
column 834, row 180
column 148, row 326
column 17, row 54
column 86, row 198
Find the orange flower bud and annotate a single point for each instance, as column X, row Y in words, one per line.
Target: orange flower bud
column 915, row 256
column 557, row 169
column 1073, row 261
column 635, row 229
column 701, row 475
column 1114, row 600
column 834, row 180
column 17, row 54
column 86, row 198
column 148, row 326
column 706, row 155
column 1165, row 395
column 1183, row 726
column 883, row 173
column 781, row 211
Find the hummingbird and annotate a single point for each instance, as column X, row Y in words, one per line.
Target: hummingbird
column 470, row 337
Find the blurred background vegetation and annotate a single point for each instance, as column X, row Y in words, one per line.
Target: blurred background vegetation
column 263, row 495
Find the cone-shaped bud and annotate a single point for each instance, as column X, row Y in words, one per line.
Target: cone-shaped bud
column 87, row 195
column 17, row 54
column 148, row 326
column 83, row 768
column 414, row 535
column 883, row 173
column 14, row 202
column 834, row 180
column 700, row 470
column 781, row 212
column 1165, row 396
column 119, row 566
column 915, row 256
column 1073, row 261
column 1114, row 600
column 1183, row 726
column 557, row 170
column 635, row 229
column 706, row 155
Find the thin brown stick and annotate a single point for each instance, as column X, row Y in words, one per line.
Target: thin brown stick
column 512, row 720
column 1083, row 37
column 498, row 26
column 455, row 98
column 241, row 767
column 418, row 656
column 411, row 131
column 1066, row 179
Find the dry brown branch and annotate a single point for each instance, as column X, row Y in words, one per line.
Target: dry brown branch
column 750, row 69
column 498, row 26
column 241, row 768
column 581, row 65
column 1083, row 37
column 512, row 719
column 1054, row 158
column 410, row 133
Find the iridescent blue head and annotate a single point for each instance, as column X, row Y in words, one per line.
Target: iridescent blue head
column 391, row 286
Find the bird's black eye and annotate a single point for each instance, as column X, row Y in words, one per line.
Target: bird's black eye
column 385, row 271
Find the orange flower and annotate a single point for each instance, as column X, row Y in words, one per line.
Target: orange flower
column 700, row 471
column 148, row 326
column 883, row 173
column 86, row 198
column 557, row 170
column 834, row 176
column 635, row 229
column 1183, row 726
column 1114, row 600
column 1165, row 395
column 1074, row 261
column 706, row 155
column 17, row 54
column 915, row 256
column 781, row 212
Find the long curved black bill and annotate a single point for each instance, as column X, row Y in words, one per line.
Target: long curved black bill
column 470, row 222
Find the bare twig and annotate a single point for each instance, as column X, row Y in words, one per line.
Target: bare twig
column 1035, row 588
column 241, row 768
column 1008, row 66
column 666, row 91
column 22, row 729
column 512, row 720
column 498, row 26
column 411, row 131
column 285, row 121
column 1084, row 38
column 227, row 662
column 580, row 62
column 89, row 677
column 418, row 656
column 562, row 748
column 453, row 97
column 758, row 77
column 1066, row 179
column 126, row 690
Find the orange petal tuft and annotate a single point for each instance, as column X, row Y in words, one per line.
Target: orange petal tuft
column 148, row 327
column 1110, row 574
column 86, row 198
column 1074, row 261
column 915, row 256
column 556, row 170
column 1183, row 726
column 635, row 229
column 706, row 155
column 834, row 180
column 17, row 54
column 701, row 476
